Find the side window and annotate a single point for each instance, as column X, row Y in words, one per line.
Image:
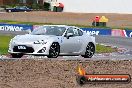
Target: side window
column 21, row 7
column 75, row 32
column 24, row 7
column 80, row 32
column 70, row 30
column 17, row 7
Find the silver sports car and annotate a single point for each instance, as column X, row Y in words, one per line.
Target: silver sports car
column 53, row 41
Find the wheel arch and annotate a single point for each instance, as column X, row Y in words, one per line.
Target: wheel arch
column 57, row 43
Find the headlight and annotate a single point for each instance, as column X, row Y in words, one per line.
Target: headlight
column 40, row 42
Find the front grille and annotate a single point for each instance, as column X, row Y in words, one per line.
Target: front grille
column 27, row 50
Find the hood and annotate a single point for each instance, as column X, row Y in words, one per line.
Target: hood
column 32, row 38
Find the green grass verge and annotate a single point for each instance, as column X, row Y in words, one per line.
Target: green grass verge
column 5, row 39
column 35, row 23
column 104, row 49
column 4, row 43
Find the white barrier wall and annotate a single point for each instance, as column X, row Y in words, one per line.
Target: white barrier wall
column 97, row 6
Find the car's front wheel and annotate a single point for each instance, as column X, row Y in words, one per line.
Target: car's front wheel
column 90, row 50
column 16, row 55
column 54, row 50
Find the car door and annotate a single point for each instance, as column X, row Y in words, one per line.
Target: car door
column 70, row 45
column 21, row 9
column 16, row 9
column 78, row 40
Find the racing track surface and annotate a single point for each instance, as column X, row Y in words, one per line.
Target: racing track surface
column 115, row 41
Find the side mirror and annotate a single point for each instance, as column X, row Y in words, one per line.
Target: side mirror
column 69, row 35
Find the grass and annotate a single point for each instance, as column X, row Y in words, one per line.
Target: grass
column 35, row 23
column 18, row 22
column 5, row 39
column 104, row 49
column 4, row 43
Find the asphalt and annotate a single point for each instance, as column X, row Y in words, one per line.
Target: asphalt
column 12, row 32
column 121, row 42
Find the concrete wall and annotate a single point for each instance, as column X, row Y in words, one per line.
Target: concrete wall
column 97, row 6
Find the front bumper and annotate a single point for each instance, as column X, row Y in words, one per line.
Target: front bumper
column 30, row 49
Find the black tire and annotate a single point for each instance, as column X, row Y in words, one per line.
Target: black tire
column 81, row 80
column 90, row 50
column 18, row 55
column 54, row 50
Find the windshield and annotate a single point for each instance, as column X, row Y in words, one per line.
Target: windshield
column 21, row 7
column 49, row 30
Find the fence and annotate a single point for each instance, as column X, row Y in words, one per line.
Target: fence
column 90, row 31
column 15, row 27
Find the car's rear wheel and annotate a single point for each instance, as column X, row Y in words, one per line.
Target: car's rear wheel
column 54, row 50
column 18, row 55
column 90, row 50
